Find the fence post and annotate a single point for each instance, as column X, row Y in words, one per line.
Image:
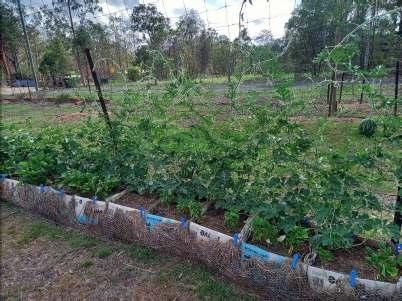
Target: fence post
column 28, row 45
column 396, row 87
column 362, row 91
column 341, row 88
column 98, row 88
column 398, row 208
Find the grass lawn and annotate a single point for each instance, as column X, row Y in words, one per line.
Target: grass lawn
column 40, row 259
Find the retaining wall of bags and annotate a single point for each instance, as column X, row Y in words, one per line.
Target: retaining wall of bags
column 265, row 273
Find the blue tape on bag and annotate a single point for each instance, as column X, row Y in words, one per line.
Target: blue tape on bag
column 352, row 278
column 398, row 249
column 83, row 219
column 183, row 222
column 153, row 220
column 249, row 251
column 94, row 200
column 142, row 212
column 295, row 259
column 41, row 188
column 235, row 239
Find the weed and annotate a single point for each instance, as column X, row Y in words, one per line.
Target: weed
column 78, row 241
column 86, row 264
column 103, row 252
column 41, row 229
column 143, row 254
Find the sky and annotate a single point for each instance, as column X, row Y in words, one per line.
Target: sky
column 223, row 15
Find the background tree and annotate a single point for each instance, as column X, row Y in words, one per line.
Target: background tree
column 56, row 60
column 9, row 39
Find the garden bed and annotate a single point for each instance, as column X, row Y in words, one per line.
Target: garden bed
column 343, row 261
column 43, row 199
column 213, row 218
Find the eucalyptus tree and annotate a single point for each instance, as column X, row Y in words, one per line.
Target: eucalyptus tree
column 9, row 39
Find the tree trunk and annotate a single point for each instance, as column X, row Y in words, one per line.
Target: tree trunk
column 4, row 64
column 332, row 105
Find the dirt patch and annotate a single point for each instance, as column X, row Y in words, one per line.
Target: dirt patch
column 137, row 201
column 214, row 219
column 43, row 100
column 72, row 117
column 302, row 119
column 168, row 210
column 346, row 260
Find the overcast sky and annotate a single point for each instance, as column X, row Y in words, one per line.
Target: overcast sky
column 223, row 15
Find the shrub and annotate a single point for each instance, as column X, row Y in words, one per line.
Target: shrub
column 133, row 73
column 367, row 127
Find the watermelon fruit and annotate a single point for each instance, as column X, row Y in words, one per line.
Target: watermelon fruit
column 367, row 127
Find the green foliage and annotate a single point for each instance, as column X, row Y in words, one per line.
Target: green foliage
column 71, row 81
column 231, row 218
column 263, row 231
column 296, row 236
column 55, row 60
column 78, row 241
column 38, row 230
column 141, row 253
column 190, row 207
column 324, row 255
column 134, row 73
column 367, row 127
column 86, row 264
column 254, row 160
column 385, row 261
column 103, row 252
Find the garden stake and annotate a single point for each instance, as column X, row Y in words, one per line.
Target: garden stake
column 98, row 88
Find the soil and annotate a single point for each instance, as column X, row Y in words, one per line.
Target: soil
column 345, row 260
column 214, row 219
column 71, row 117
column 135, row 200
column 168, row 210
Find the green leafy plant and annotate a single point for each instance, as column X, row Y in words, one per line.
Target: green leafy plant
column 103, row 252
column 385, row 261
column 324, row 255
column 263, row 231
column 367, row 127
column 231, row 218
column 296, row 236
column 191, row 207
